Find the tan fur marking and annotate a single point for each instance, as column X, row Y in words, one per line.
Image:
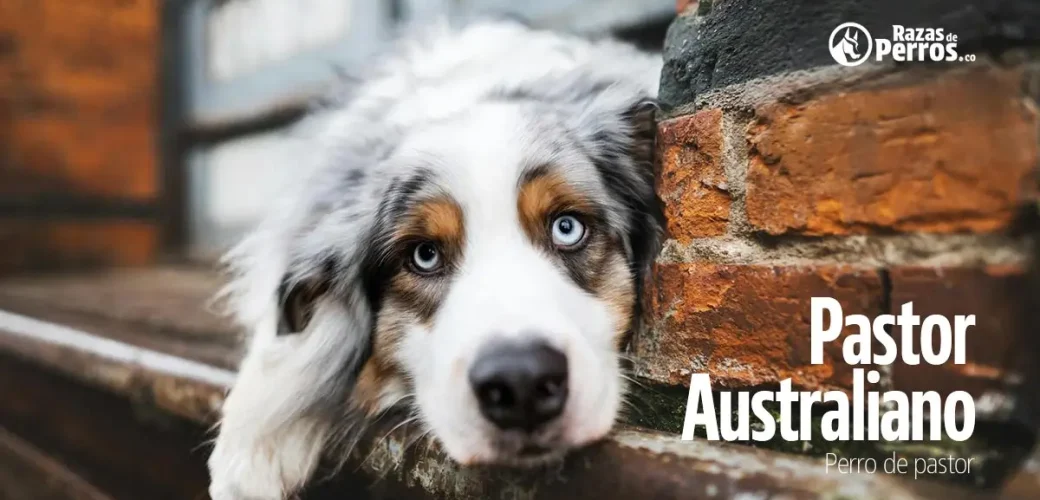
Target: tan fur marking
column 370, row 384
column 379, row 369
column 543, row 195
column 618, row 291
column 438, row 219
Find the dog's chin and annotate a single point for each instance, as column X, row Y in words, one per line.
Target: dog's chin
column 528, row 456
column 534, row 456
column 508, row 449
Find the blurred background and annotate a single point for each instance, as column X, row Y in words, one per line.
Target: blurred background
column 133, row 131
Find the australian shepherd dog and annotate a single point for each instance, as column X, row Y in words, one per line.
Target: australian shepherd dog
column 465, row 253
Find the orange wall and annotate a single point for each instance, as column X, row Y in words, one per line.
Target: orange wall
column 78, row 117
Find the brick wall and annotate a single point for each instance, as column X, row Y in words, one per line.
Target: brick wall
column 786, row 176
column 78, row 117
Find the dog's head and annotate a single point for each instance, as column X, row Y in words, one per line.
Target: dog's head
column 484, row 261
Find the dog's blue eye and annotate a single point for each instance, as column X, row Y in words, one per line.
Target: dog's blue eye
column 567, row 231
column 426, row 257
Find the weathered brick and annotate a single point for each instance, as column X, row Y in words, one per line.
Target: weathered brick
column 747, row 325
column 732, row 42
column 692, row 181
column 996, row 348
column 953, row 153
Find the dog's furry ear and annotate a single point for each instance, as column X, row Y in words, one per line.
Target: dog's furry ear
column 647, row 235
column 296, row 287
column 297, row 301
column 619, row 124
column 641, row 118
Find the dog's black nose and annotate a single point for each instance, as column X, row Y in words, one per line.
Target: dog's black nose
column 520, row 386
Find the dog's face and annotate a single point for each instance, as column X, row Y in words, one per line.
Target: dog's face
column 465, row 253
column 505, row 291
column 500, row 267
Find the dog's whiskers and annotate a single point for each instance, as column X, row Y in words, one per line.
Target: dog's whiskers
column 385, row 438
column 633, row 380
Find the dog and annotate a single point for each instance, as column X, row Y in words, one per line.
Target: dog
column 466, row 253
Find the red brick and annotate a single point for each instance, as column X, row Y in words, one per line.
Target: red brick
column 747, row 325
column 952, row 153
column 995, row 348
column 691, row 181
column 682, row 5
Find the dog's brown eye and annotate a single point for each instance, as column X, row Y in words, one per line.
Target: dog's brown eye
column 426, row 257
column 567, row 232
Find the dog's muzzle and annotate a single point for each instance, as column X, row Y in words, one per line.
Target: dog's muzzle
column 520, row 386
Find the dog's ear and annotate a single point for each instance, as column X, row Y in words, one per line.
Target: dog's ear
column 618, row 126
column 642, row 123
column 297, row 301
column 647, row 221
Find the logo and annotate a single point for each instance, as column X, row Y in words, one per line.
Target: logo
column 851, row 44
